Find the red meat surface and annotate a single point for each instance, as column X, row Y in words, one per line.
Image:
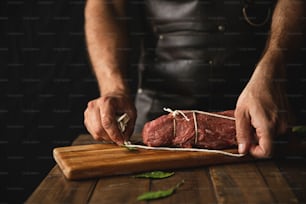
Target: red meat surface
column 212, row 132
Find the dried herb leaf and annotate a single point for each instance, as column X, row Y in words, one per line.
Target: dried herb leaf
column 155, row 194
column 152, row 195
column 131, row 148
column 299, row 129
column 155, row 175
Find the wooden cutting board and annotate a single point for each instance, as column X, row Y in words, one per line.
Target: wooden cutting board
column 97, row 160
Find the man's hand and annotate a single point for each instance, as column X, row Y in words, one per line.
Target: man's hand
column 261, row 114
column 261, row 111
column 100, row 117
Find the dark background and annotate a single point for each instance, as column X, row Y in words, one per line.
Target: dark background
column 45, row 84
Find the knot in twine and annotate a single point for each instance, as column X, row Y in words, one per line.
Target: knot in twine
column 176, row 112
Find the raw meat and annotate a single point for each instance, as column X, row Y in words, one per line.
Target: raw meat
column 180, row 130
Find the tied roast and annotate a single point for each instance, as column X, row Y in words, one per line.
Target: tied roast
column 191, row 129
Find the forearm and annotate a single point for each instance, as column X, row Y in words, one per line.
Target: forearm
column 286, row 34
column 106, row 38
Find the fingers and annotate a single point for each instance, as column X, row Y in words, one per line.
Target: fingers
column 254, row 133
column 92, row 122
column 265, row 125
column 100, row 118
column 108, row 120
column 264, row 147
column 244, row 131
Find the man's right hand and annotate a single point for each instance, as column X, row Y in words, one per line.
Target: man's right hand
column 100, row 117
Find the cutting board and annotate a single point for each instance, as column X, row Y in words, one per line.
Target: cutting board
column 98, row 160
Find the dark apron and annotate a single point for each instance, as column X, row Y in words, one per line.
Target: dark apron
column 198, row 54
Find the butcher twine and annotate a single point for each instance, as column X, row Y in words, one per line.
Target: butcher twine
column 123, row 120
column 177, row 112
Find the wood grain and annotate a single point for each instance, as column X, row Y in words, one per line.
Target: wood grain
column 276, row 182
column 241, row 183
column 255, row 182
column 293, row 170
column 96, row 160
column 197, row 187
column 119, row 189
column 56, row 189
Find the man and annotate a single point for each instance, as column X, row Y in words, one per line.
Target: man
column 195, row 55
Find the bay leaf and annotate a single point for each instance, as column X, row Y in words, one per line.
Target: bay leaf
column 152, row 195
column 299, row 129
column 155, row 175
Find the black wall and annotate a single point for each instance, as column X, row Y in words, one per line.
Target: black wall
column 45, row 84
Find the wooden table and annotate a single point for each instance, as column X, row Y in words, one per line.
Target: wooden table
column 270, row 181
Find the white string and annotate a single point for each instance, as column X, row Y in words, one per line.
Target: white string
column 195, row 127
column 123, row 121
column 184, row 149
column 174, row 127
column 214, row 114
column 176, row 112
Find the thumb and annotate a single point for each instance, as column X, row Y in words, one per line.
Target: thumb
column 243, row 131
